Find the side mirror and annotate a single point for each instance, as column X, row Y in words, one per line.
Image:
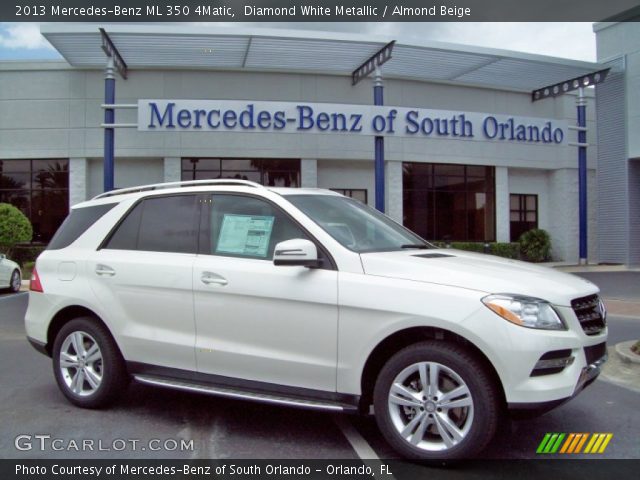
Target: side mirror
column 296, row 252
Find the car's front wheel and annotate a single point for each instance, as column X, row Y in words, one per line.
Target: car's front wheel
column 87, row 363
column 435, row 401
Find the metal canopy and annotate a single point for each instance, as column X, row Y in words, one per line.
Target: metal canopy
column 223, row 48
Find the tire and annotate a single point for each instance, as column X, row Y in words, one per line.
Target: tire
column 16, row 281
column 98, row 379
column 417, row 422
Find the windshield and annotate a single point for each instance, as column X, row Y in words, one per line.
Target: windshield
column 355, row 225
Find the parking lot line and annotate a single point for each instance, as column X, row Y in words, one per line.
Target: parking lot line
column 360, row 445
column 357, row 441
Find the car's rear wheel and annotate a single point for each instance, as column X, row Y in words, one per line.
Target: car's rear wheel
column 16, row 281
column 87, row 364
column 433, row 400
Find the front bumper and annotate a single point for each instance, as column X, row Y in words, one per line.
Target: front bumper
column 587, row 376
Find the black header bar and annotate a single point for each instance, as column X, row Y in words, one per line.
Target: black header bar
column 109, row 11
column 541, row 469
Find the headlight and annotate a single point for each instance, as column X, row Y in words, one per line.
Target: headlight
column 525, row 311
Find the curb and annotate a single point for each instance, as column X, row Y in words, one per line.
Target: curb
column 623, row 350
column 622, row 307
column 619, row 371
column 573, row 268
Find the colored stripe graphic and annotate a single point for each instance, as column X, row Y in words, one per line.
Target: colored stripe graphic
column 556, row 443
column 607, row 439
column 543, row 443
column 567, row 443
column 550, row 443
column 581, row 443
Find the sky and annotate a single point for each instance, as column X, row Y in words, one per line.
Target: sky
column 22, row 41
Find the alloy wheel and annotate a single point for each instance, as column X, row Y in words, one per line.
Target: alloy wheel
column 431, row 407
column 15, row 281
column 81, row 363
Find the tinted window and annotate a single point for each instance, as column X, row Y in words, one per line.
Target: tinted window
column 163, row 224
column 449, row 202
column 126, row 235
column 76, row 224
column 248, row 227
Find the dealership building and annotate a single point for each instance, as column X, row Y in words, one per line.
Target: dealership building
column 467, row 155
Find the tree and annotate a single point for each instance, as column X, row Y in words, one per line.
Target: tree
column 15, row 227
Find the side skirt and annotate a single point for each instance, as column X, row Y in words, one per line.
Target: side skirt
column 242, row 389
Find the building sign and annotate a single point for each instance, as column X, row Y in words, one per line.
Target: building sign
column 342, row 119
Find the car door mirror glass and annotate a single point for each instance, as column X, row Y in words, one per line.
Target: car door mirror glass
column 296, row 252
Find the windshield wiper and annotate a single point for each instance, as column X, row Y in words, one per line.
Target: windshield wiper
column 420, row 246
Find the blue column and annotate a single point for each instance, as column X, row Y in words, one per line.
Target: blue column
column 582, row 175
column 109, row 118
column 378, row 100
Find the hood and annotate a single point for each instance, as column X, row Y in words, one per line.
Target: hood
column 476, row 271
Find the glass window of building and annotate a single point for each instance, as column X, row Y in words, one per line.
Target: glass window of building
column 359, row 194
column 449, row 202
column 277, row 172
column 523, row 214
column 40, row 188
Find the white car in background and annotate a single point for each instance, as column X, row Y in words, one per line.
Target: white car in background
column 10, row 274
column 306, row 298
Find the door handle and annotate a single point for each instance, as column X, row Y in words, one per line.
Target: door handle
column 105, row 270
column 210, row 278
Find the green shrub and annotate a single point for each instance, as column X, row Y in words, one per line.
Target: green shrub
column 28, row 252
column 535, row 245
column 506, row 250
column 15, row 228
column 635, row 348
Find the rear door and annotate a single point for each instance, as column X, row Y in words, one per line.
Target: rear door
column 143, row 276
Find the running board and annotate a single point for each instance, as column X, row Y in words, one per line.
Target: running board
column 241, row 394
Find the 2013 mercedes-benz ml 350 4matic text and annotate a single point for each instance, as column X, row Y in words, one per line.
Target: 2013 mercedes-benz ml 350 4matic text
column 307, row 298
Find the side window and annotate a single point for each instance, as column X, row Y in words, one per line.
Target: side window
column 78, row 222
column 248, row 227
column 162, row 224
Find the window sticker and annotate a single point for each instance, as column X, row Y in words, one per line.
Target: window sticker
column 245, row 235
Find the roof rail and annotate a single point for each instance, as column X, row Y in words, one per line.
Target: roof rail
column 186, row 183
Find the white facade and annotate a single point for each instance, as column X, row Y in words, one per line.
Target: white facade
column 619, row 158
column 53, row 110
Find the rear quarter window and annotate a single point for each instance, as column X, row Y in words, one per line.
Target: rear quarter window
column 76, row 223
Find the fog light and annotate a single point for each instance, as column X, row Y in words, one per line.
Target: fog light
column 553, row 362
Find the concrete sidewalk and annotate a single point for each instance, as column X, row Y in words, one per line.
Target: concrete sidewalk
column 622, row 308
column 619, row 285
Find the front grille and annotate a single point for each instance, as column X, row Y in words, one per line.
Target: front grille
column 595, row 352
column 589, row 314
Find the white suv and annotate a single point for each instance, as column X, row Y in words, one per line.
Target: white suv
column 307, row 298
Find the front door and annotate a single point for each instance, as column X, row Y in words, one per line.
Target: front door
column 256, row 321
